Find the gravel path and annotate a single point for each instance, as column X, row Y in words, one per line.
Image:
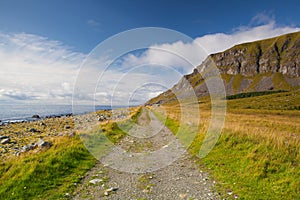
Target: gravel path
column 150, row 163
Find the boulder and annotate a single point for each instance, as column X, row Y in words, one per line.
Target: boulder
column 41, row 143
column 35, row 116
column 28, row 147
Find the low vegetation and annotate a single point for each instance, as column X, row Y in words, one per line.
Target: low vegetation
column 53, row 173
column 252, row 94
column 257, row 154
column 49, row 174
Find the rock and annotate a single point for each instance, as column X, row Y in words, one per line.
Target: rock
column 182, row 196
column 276, row 55
column 5, row 140
column 95, row 181
column 33, row 130
column 69, row 115
column 106, row 193
column 3, row 137
column 42, row 124
column 109, row 190
column 36, row 116
column 41, row 143
column 112, row 189
column 67, row 126
column 28, row 147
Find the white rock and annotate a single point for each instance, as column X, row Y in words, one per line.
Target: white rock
column 5, row 141
column 95, row 181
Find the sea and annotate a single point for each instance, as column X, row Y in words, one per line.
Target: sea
column 19, row 113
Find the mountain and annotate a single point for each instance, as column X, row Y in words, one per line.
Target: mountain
column 265, row 65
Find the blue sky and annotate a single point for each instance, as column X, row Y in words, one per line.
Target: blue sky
column 43, row 43
column 82, row 24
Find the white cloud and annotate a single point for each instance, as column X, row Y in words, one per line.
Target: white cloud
column 219, row 42
column 201, row 47
column 36, row 68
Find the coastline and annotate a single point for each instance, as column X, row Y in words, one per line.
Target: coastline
column 24, row 113
column 26, row 136
column 29, row 136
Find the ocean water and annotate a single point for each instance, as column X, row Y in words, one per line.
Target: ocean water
column 25, row 112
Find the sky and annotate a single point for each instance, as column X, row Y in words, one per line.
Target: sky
column 44, row 44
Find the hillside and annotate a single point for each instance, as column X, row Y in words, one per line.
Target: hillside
column 265, row 65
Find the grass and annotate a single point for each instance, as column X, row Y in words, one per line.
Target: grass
column 237, row 83
column 49, row 174
column 279, row 81
column 53, row 172
column 278, row 102
column 254, row 169
column 144, row 182
column 257, row 155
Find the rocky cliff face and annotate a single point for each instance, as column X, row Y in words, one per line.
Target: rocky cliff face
column 280, row 54
column 272, row 64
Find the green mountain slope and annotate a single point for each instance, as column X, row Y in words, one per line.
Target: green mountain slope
column 265, row 65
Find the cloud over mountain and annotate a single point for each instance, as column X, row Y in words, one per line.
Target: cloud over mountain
column 35, row 68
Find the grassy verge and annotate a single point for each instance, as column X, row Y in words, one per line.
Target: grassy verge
column 254, row 168
column 49, row 174
column 53, row 172
column 257, row 155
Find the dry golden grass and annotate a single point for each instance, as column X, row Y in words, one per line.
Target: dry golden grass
column 257, row 154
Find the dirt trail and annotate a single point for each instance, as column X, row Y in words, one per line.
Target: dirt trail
column 150, row 163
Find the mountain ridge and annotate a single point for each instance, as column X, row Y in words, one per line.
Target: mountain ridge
column 264, row 65
column 279, row 54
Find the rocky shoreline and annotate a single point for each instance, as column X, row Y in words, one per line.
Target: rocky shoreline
column 17, row 137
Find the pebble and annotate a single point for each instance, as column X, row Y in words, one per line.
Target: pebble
column 3, row 137
column 183, row 196
column 5, row 141
column 95, row 181
column 41, row 143
column 112, row 189
column 106, row 193
column 33, row 130
column 67, row 127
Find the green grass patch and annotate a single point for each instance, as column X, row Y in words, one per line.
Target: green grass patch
column 236, row 83
column 48, row 174
column 102, row 137
column 226, row 77
column 278, row 100
column 184, row 132
column 254, row 169
column 279, row 81
column 53, row 172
